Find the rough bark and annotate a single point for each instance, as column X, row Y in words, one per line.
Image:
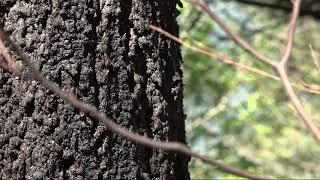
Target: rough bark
column 102, row 52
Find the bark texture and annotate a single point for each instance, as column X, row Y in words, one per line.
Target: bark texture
column 102, row 51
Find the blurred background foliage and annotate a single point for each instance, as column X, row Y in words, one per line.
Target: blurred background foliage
column 242, row 118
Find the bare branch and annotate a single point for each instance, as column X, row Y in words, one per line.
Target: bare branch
column 235, row 37
column 306, row 118
column 225, row 59
column 291, row 31
column 102, row 118
column 279, row 67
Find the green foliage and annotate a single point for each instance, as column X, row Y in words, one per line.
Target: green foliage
column 241, row 118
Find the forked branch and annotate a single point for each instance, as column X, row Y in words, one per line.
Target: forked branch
column 281, row 69
column 279, row 66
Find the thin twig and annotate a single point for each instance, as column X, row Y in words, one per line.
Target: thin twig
column 225, row 59
column 210, row 52
column 234, row 36
column 102, row 118
column 281, row 69
column 314, row 57
column 291, row 31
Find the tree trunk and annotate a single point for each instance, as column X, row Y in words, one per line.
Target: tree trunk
column 103, row 52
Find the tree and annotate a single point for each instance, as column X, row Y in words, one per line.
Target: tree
column 104, row 53
column 308, row 8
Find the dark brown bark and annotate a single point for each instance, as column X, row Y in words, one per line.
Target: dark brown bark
column 308, row 7
column 103, row 52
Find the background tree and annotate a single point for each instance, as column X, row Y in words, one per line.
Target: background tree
column 308, row 8
column 102, row 52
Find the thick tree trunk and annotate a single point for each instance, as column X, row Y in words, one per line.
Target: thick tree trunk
column 102, row 52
